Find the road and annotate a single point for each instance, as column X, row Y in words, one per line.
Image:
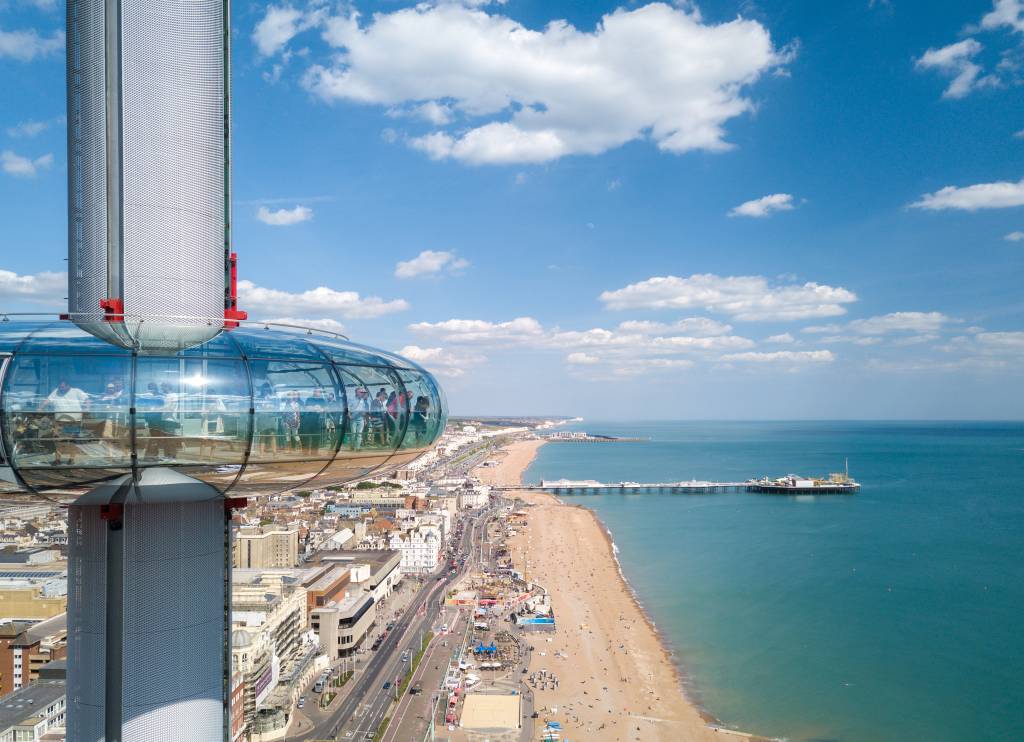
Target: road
column 364, row 706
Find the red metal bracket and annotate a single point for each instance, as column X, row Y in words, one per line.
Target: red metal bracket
column 232, row 314
column 114, row 511
column 113, row 309
column 234, row 503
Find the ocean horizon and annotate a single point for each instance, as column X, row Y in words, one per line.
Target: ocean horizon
column 890, row 614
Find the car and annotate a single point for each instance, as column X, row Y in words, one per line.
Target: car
column 387, row 684
column 302, row 702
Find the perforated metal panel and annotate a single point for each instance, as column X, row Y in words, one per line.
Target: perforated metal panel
column 86, row 623
column 173, row 144
column 87, row 172
column 174, row 621
column 163, row 70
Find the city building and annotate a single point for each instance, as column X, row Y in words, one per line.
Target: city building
column 25, row 647
column 26, row 715
column 256, row 548
column 420, row 548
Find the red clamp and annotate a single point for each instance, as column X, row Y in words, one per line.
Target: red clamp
column 113, row 309
column 232, row 314
column 234, row 503
column 114, row 512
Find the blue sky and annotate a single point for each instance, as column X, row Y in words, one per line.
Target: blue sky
column 715, row 210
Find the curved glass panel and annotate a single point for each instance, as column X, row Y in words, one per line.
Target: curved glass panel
column 251, row 411
column 66, row 418
column 298, row 411
column 65, row 337
column 191, row 411
column 13, row 334
column 259, row 343
column 426, row 409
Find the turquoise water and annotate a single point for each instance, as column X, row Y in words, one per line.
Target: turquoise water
column 897, row 613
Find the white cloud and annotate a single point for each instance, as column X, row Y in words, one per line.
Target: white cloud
column 31, row 128
column 24, row 167
column 854, row 339
column 999, row 195
column 319, row 301
column 1014, row 237
column 867, row 331
column 1005, row 342
column 614, row 184
column 640, row 366
column 655, row 72
column 322, row 323
column 521, row 178
column 954, row 60
column 1005, row 13
column 720, row 342
column 284, row 217
column 279, row 26
column 783, row 356
column 695, row 326
column 746, row 298
column 38, row 288
column 922, row 322
column 24, row 46
column 1018, row 134
column 436, row 113
column 481, row 331
column 764, row 206
column 441, row 361
column 430, row 263
column 783, row 339
column 582, row 359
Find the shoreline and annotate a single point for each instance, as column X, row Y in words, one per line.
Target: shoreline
column 652, row 696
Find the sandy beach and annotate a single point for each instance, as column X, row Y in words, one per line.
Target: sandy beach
column 616, row 681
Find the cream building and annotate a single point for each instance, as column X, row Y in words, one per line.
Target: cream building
column 259, row 548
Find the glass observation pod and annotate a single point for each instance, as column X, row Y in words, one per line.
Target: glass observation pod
column 256, row 410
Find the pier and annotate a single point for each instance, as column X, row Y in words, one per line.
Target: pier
column 576, row 437
column 782, row 486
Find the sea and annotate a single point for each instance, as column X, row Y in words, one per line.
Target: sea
column 893, row 614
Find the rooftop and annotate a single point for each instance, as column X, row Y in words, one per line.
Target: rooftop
column 29, row 701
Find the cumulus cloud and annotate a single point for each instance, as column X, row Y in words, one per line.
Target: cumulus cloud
column 1014, row 237
column 640, row 366
column 281, row 24
column 24, row 167
column 999, row 195
column 582, row 359
column 1005, row 13
column 315, row 302
column 511, row 94
column 31, row 128
column 481, row 331
column 24, row 46
column 38, row 288
column 430, row 263
column 954, row 60
column 783, row 356
column 883, row 324
column 695, row 326
column 783, row 339
column 764, row 206
column 745, row 298
column 284, row 217
column 442, row 361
